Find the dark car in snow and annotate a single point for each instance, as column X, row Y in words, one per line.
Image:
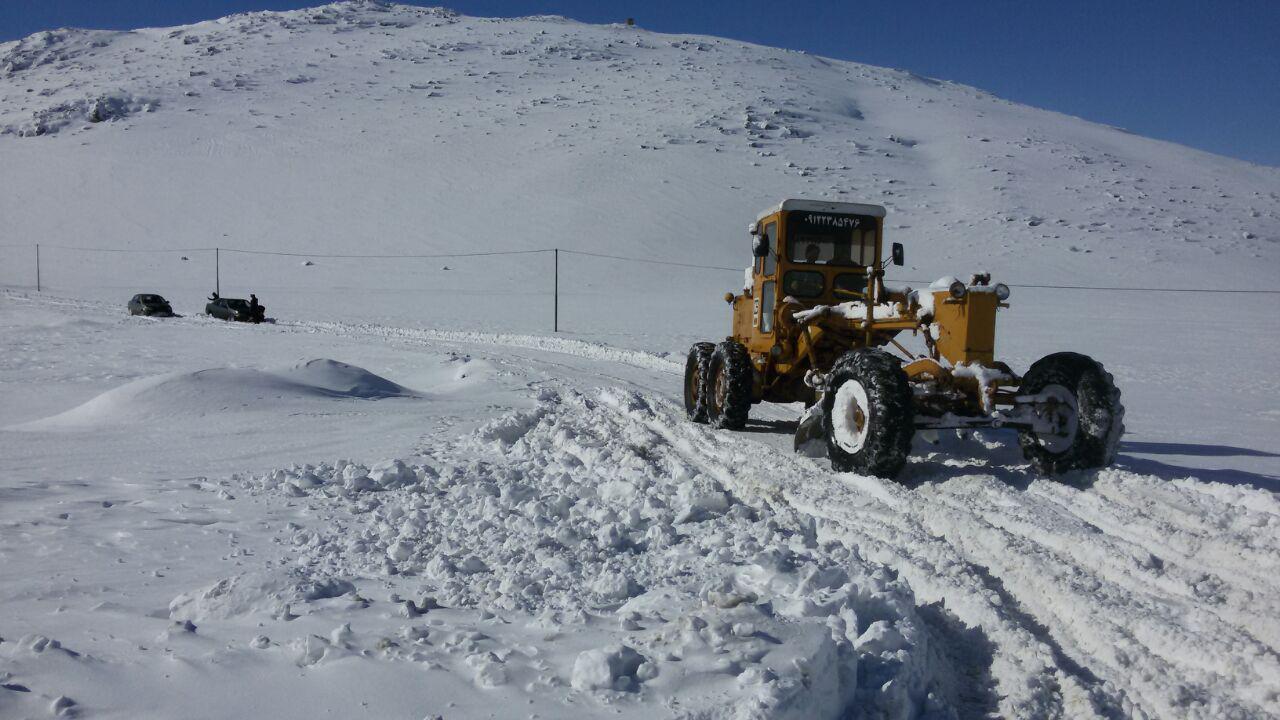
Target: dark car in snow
column 234, row 309
column 150, row 304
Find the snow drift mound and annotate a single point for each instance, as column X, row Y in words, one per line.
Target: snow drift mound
column 222, row 390
column 257, row 592
column 338, row 379
column 577, row 514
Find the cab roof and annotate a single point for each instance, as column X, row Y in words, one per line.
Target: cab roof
column 841, row 208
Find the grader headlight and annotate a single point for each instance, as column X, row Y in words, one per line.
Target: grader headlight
column 1002, row 291
column 957, row 290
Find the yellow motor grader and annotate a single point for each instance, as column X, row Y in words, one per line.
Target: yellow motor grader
column 815, row 323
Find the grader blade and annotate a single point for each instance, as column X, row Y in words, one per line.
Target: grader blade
column 810, row 438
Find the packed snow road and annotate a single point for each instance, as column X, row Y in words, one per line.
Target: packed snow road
column 593, row 551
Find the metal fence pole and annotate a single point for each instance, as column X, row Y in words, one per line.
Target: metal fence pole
column 555, row 318
column 217, row 271
column 37, row 267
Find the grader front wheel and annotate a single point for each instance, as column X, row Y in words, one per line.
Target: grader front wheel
column 1081, row 401
column 868, row 416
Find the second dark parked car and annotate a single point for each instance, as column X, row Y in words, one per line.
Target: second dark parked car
column 148, row 304
column 234, row 309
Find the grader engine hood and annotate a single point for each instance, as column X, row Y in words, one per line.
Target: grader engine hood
column 964, row 319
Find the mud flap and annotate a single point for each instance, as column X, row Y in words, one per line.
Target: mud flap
column 811, row 440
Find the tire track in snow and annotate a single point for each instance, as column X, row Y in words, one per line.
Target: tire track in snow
column 1036, row 676
column 1056, row 597
column 1145, row 636
column 756, row 471
column 1173, row 559
column 1053, row 525
column 1237, row 534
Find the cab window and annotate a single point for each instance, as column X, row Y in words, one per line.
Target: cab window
column 855, row 247
column 767, row 291
column 802, row 283
column 850, row 282
column 769, row 263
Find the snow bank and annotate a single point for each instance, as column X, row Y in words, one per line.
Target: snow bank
column 578, row 348
column 217, row 391
column 576, row 512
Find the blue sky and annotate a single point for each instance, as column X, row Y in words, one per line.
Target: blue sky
column 1205, row 73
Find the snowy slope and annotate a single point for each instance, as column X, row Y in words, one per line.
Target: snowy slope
column 356, row 128
column 260, row 515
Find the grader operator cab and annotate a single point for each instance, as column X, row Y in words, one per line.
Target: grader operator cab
column 816, row 323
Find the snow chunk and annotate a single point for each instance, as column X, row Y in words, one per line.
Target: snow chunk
column 37, row 644
column 510, row 428
column 608, row 668
column 252, row 593
column 850, row 311
column 943, row 283
column 616, row 587
column 699, row 499
column 392, row 474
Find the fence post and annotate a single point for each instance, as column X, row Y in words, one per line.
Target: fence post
column 37, row 267
column 217, row 271
column 555, row 318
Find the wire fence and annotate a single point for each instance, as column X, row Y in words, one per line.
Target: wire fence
column 531, row 281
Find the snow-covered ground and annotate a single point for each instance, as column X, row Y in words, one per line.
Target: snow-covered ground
column 550, row 496
column 407, row 498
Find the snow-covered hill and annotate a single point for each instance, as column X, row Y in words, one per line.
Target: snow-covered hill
column 461, row 515
column 370, row 128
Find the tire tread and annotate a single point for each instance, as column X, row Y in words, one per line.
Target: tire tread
column 892, row 413
column 1095, row 388
column 731, row 358
column 699, row 360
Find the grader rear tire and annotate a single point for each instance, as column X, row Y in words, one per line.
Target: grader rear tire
column 868, row 414
column 696, row 370
column 729, row 386
column 1091, row 394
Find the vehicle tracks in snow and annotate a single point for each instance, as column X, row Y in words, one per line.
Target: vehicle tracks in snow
column 754, row 471
column 1084, row 621
column 1175, row 559
column 1169, row 649
column 1132, row 568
